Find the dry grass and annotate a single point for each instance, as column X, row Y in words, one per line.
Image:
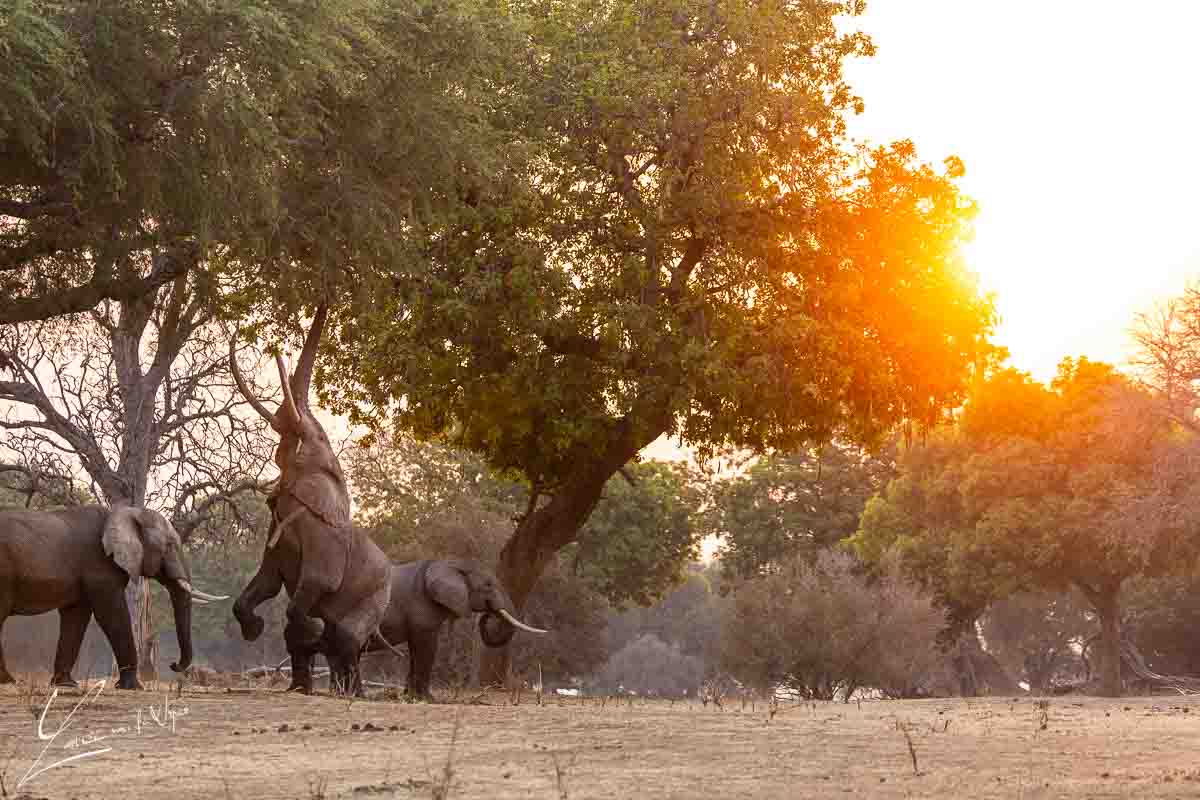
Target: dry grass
column 245, row 741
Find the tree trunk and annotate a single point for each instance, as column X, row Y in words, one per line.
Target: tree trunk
column 546, row 530
column 525, row 556
column 1107, row 607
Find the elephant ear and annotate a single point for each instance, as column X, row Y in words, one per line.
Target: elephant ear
column 158, row 536
column 323, row 496
column 122, row 539
column 446, row 586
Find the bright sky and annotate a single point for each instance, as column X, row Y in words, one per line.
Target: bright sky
column 1080, row 130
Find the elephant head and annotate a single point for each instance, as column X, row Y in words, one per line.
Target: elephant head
column 309, row 469
column 143, row 543
column 463, row 587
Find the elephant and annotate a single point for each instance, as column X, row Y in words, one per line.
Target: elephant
column 79, row 561
column 427, row 593
column 337, row 578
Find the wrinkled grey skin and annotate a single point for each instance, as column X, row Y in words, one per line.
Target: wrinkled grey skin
column 336, row 577
column 340, row 578
column 79, row 562
column 427, row 593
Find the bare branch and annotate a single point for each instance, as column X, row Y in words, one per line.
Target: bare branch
column 186, row 524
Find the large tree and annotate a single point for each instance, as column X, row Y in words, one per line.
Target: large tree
column 1079, row 484
column 688, row 249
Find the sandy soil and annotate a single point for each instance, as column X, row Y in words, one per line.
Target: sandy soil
column 266, row 744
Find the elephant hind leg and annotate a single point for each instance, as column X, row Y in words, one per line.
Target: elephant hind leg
column 342, row 651
column 422, row 653
column 346, row 638
column 303, row 639
column 72, row 625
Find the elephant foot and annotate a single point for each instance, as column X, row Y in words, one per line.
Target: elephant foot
column 64, row 681
column 5, row 677
column 301, row 688
column 129, row 680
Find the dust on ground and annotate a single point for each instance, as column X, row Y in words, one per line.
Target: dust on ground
column 262, row 743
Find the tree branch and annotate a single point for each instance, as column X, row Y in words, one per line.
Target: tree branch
column 103, row 286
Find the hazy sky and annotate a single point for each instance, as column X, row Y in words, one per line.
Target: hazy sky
column 1080, row 131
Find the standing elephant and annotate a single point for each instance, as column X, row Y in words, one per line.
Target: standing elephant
column 335, row 575
column 79, row 561
column 427, row 593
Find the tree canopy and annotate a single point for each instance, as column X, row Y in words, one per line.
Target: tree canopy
column 1079, row 484
column 280, row 145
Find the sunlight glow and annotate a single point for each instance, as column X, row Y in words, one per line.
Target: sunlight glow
column 1075, row 125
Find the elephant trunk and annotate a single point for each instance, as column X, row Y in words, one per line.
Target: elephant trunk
column 181, row 604
column 494, row 630
column 498, row 623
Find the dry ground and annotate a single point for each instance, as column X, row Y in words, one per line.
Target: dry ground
column 265, row 744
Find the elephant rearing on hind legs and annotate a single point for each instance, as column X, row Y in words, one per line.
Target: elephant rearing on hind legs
column 336, row 577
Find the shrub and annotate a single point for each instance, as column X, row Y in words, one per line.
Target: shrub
column 827, row 627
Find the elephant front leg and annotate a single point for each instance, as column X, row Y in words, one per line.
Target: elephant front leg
column 262, row 587
column 112, row 613
column 72, row 625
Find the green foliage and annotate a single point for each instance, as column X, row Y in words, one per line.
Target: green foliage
column 420, row 496
column 223, row 553
column 277, row 144
column 639, row 540
column 1079, row 484
column 403, row 487
column 26, row 487
column 690, row 250
column 793, row 504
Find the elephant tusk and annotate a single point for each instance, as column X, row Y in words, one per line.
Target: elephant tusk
column 516, row 623
column 196, row 593
column 279, row 526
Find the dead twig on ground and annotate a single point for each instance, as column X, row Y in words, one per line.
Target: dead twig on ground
column 560, row 774
column 912, row 750
column 440, row 786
